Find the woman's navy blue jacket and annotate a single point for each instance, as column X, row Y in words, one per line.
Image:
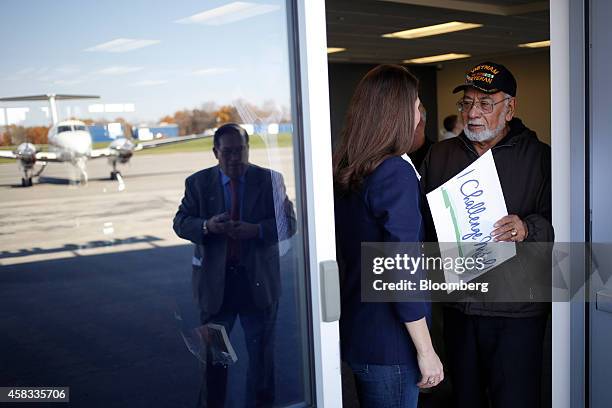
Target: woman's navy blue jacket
column 387, row 208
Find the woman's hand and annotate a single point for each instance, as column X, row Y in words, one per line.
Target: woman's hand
column 430, row 365
column 432, row 372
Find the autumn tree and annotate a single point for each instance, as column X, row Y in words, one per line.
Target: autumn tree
column 208, row 115
column 37, row 134
column 226, row 114
column 5, row 137
column 202, row 119
column 16, row 134
column 167, row 119
column 195, row 121
column 184, row 122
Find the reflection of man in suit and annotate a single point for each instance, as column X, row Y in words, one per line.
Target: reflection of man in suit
column 236, row 213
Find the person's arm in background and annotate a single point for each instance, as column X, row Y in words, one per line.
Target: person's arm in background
column 393, row 196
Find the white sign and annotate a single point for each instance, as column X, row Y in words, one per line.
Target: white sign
column 464, row 210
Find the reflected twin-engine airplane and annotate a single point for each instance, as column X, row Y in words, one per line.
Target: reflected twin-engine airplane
column 70, row 142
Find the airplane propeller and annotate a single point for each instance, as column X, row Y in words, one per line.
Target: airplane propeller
column 122, row 151
column 26, row 156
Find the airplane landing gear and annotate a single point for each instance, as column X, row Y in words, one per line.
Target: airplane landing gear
column 115, row 174
column 26, row 179
column 26, row 182
column 81, row 165
column 42, row 168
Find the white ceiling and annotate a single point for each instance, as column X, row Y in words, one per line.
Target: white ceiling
column 358, row 25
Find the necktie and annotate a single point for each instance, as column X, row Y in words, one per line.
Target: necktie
column 235, row 210
column 233, row 245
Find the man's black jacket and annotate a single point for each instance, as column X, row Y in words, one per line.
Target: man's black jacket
column 524, row 169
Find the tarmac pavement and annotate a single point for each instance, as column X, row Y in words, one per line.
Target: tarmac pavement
column 92, row 276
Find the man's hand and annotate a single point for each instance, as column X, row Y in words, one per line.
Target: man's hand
column 510, row 229
column 218, row 224
column 242, row 230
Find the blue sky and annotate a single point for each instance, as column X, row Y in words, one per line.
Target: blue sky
column 157, row 56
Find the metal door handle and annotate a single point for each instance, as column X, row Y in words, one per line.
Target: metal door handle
column 330, row 291
column 603, row 300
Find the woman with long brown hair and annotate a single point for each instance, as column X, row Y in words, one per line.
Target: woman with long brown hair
column 378, row 199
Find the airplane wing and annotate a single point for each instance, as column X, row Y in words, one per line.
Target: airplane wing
column 97, row 153
column 47, row 157
column 131, row 147
column 46, row 97
column 7, row 154
column 40, row 156
column 162, row 142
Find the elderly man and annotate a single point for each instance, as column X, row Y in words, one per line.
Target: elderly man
column 494, row 350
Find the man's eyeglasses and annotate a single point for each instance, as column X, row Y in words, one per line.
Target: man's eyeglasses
column 236, row 151
column 485, row 105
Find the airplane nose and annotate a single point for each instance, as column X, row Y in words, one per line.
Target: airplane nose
column 83, row 150
column 83, row 146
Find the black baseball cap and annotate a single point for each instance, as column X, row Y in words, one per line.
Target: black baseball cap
column 489, row 77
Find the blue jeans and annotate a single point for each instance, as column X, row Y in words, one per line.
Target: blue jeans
column 386, row 386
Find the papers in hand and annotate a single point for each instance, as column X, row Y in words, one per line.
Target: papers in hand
column 464, row 210
column 210, row 341
column 215, row 337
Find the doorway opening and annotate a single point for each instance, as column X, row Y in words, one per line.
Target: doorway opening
column 516, row 33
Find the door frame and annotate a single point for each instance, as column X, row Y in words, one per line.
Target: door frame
column 569, row 191
column 570, row 197
column 313, row 98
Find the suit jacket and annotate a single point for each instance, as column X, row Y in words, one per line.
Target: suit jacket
column 264, row 202
column 385, row 209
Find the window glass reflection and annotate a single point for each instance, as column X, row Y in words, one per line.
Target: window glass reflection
column 103, row 120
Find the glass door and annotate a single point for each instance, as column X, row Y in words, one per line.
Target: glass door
column 111, row 282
